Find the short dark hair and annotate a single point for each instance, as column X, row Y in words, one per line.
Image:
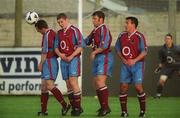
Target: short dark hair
column 169, row 35
column 61, row 15
column 134, row 20
column 41, row 24
column 100, row 14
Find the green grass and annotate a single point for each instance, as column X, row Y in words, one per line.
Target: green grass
column 27, row 107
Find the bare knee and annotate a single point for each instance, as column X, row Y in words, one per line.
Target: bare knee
column 139, row 88
column 123, row 88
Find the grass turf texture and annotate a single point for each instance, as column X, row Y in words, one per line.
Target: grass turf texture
column 28, row 106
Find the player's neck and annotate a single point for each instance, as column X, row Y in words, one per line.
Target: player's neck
column 169, row 45
column 131, row 32
column 45, row 30
column 67, row 27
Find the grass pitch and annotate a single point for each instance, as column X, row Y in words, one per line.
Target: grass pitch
column 28, row 106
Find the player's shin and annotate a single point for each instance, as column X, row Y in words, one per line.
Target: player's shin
column 58, row 95
column 44, row 100
column 71, row 97
column 142, row 101
column 159, row 90
column 103, row 97
column 123, row 102
column 77, row 100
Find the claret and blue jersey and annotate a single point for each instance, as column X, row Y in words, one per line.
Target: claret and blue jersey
column 130, row 46
column 100, row 37
column 50, row 66
column 67, row 41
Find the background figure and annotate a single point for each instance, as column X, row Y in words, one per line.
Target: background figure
column 169, row 56
column 48, row 67
column 69, row 45
column 102, row 59
column 131, row 48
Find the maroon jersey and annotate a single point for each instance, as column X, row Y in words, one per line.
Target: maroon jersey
column 132, row 45
column 100, row 37
column 47, row 45
column 68, row 40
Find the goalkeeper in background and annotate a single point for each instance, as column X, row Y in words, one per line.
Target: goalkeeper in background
column 169, row 56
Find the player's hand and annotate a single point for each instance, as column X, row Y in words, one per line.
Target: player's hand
column 92, row 56
column 131, row 62
column 157, row 70
column 69, row 58
column 124, row 61
column 40, row 67
column 63, row 57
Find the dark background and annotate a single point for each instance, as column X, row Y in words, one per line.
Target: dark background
column 171, row 88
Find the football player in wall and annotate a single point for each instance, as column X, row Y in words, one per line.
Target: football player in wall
column 48, row 67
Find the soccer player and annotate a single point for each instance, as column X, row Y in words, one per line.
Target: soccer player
column 48, row 67
column 131, row 49
column 69, row 45
column 102, row 59
column 169, row 56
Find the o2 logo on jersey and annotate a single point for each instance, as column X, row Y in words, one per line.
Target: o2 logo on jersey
column 126, row 51
column 170, row 59
column 63, row 45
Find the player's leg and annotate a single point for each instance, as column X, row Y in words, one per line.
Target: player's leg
column 138, row 76
column 102, row 90
column 103, row 69
column 160, row 85
column 74, row 73
column 165, row 74
column 53, row 71
column 142, row 99
column 123, row 98
column 44, row 98
column 70, row 92
column 125, row 79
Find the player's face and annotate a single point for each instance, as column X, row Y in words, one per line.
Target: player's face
column 97, row 21
column 63, row 23
column 38, row 30
column 128, row 25
column 168, row 40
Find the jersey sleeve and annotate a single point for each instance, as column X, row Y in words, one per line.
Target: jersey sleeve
column 45, row 44
column 178, row 49
column 161, row 56
column 105, row 38
column 79, row 39
column 56, row 42
column 117, row 44
column 142, row 44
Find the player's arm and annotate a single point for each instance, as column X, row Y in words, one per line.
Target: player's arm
column 56, row 45
column 88, row 39
column 143, row 51
column 79, row 46
column 162, row 61
column 105, row 41
column 118, row 50
column 44, row 52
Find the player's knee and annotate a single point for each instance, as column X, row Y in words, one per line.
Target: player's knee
column 123, row 88
column 44, row 89
column 139, row 89
column 50, row 87
column 163, row 78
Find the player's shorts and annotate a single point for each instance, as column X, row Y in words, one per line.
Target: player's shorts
column 102, row 64
column 70, row 69
column 50, row 69
column 132, row 74
column 168, row 71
